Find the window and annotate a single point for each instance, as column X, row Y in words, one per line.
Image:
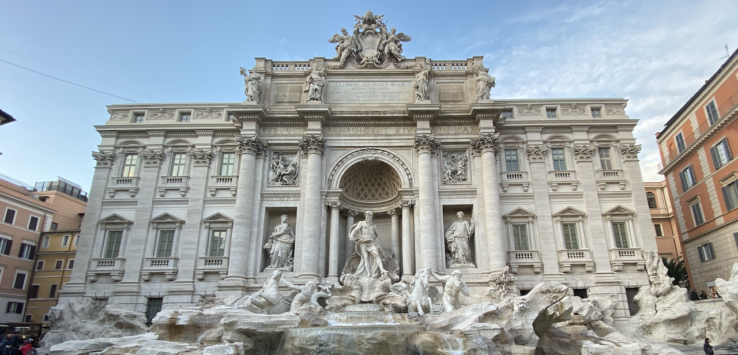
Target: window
column 27, row 251
column 34, row 291
column 9, row 216
column 231, row 117
column 735, row 237
column 20, row 280
column 138, row 117
column 659, row 232
column 580, row 292
column 712, row 112
column 651, row 200
column 217, row 243
column 179, row 166
column 59, row 264
column 680, row 142
column 730, row 193
column 558, row 159
column 630, row 294
column 40, row 265
column 697, row 213
column 621, row 236
column 14, row 307
column 129, row 165
column 605, row 161
column 112, row 244
column 687, row 177
column 520, row 236
column 29, row 317
column 721, row 153
column 65, row 241
column 70, row 264
column 164, row 245
column 52, row 291
column 76, row 240
column 227, row 163
column 45, row 242
column 706, row 252
column 506, row 114
column 571, row 241
column 5, row 245
column 596, row 113
column 54, row 226
column 185, row 116
column 46, row 317
column 33, row 223
column 511, row 160
column 551, row 112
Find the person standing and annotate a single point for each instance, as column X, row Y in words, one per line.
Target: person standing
column 707, row 347
column 694, row 296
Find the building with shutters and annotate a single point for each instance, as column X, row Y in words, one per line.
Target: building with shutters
column 664, row 221
column 697, row 148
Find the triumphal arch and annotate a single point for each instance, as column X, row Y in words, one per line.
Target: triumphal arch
column 366, row 163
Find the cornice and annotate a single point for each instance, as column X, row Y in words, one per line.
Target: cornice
column 171, row 201
column 219, row 201
column 120, row 202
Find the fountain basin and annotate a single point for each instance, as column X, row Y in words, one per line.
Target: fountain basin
column 366, row 318
column 363, row 307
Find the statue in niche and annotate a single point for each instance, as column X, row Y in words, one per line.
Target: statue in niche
column 392, row 44
column 280, row 245
column 314, row 85
column 252, row 84
column 485, row 82
column 345, row 45
column 283, row 170
column 454, row 285
column 457, row 239
column 420, row 83
column 454, row 168
column 369, row 260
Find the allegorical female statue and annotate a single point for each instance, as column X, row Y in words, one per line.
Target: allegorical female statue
column 485, row 82
column 314, row 85
column 420, row 83
column 457, row 239
column 252, row 86
column 280, row 245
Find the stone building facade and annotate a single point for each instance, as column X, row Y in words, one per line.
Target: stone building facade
column 189, row 200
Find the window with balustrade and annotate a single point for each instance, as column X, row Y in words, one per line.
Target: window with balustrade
column 164, row 234
column 227, row 163
column 571, row 237
column 179, row 164
column 569, row 228
column 621, row 230
column 164, row 243
column 113, row 241
column 511, row 160
column 218, row 231
column 605, row 160
column 519, row 226
column 130, row 165
column 520, row 236
column 216, row 246
column 559, row 159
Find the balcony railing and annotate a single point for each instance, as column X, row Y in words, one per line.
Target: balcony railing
column 179, row 183
column 106, row 266
column 562, row 175
column 610, row 176
column 223, row 182
column 508, row 178
column 569, row 257
column 212, row 264
column 525, row 258
column 123, row 183
column 291, row 66
column 166, row 266
column 621, row 256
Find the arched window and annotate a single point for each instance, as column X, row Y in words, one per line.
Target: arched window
column 651, row 200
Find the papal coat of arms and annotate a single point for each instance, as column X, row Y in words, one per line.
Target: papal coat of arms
column 370, row 45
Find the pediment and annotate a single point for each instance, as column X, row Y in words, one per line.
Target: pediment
column 115, row 218
column 619, row 210
column 519, row 212
column 167, row 218
column 218, row 218
column 569, row 212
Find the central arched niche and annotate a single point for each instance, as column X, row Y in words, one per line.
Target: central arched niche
column 370, row 180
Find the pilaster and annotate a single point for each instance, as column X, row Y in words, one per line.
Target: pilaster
column 629, row 154
column 425, row 145
column 312, row 145
column 488, row 146
column 600, row 250
column 549, row 258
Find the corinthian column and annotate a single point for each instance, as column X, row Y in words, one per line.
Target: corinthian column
column 425, row 145
column 488, row 145
column 248, row 147
column 334, row 240
column 312, row 146
column 407, row 240
column 350, row 246
column 395, row 233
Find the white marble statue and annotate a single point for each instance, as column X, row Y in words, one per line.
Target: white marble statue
column 392, row 44
column 451, row 289
column 304, row 295
column 485, row 82
column 269, row 299
column 314, row 85
column 368, row 259
column 454, row 168
column 345, row 45
column 420, row 83
column 280, row 245
column 283, row 171
column 457, row 239
column 252, row 84
column 420, row 298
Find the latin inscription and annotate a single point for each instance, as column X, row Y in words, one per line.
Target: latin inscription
column 386, row 92
column 286, row 131
column 340, row 131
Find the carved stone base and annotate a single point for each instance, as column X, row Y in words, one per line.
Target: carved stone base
column 285, row 269
column 462, row 266
column 423, row 102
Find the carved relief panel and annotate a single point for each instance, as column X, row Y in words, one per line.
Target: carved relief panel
column 284, row 168
column 455, row 167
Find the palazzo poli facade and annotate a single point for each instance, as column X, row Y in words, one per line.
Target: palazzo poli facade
column 202, row 199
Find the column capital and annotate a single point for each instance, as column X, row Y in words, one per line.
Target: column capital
column 250, row 144
column 393, row 212
column 312, row 144
column 487, row 142
column 333, row 204
column 103, row 159
column 350, row 213
column 201, row 157
column 407, row 203
column 426, row 143
column 583, row 152
column 151, row 158
column 536, row 153
column 630, row 151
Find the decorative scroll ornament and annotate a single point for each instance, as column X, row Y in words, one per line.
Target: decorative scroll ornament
column 312, row 144
column 283, row 169
column 454, row 168
column 630, row 151
column 573, row 110
column 583, row 152
column 485, row 82
column 104, row 159
column 252, row 85
column 426, row 143
column 370, row 45
column 486, row 142
column 250, row 144
column 536, row 153
column 151, row 158
column 201, row 157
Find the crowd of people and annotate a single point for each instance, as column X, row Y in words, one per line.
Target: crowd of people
column 13, row 344
column 694, row 296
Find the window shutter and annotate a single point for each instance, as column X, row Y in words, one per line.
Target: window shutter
column 726, row 197
column 32, row 254
column 715, row 159
column 701, row 252
column 8, row 245
column 691, row 175
column 727, row 149
column 684, row 180
column 712, row 251
column 22, row 249
column 7, row 308
column 19, row 308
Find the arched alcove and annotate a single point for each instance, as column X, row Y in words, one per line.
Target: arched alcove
column 370, row 181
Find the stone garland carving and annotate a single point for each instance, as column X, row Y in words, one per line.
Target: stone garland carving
column 369, row 152
column 103, row 159
column 536, row 153
column 280, row 244
column 615, row 110
column 201, row 157
column 485, row 82
column 420, row 83
column 486, row 142
column 583, row 152
column 119, row 116
column 573, row 110
column 151, row 158
column 314, row 85
column 208, row 114
column 457, row 240
column 426, row 143
column 252, row 86
column 283, row 170
column 630, row 151
column 454, row 168
column 529, row 110
column 250, row 144
column 162, row 114
column 312, row 144
column 370, row 45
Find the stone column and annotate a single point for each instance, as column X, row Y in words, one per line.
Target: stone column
column 248, row 147
column 425, row 145
column 311, row 145
column 350, row 246
column 334, row 240
column 547, row 237
column 629, row 153
column 407, row 240
column 488, row 145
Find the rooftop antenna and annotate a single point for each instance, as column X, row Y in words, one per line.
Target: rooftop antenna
column 727, row 53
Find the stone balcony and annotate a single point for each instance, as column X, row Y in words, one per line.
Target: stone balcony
column 569, row 257
column 101, row 266
column 620, row 257
column 223, row 182
column 525, row 258
column 605, row 177
column 166, row 266
column 563, row 177
column 510, row 178
column 129, row 184
column 211, row 264
column 177, row 183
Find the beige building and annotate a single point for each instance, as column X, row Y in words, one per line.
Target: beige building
column 664, row 223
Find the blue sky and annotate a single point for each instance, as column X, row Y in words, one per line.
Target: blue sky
column 654, row 53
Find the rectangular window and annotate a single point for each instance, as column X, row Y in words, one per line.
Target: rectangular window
column 605, row 161
column 558, row 159
column 621, row 236
column 65, row 241
column 40, row 265
column 129, row 165
column 231, row 117
column 52, row 291
column 550, row 112
column 596, row 112
column 138, row 117
column 520, row 235
column 70, row 264
column 506, row 114
column 54, row 226
column 571, row 241
column 712, row 112
column 721, row 154
column 14, row 307
column 45, row 242
column 33, row 223
column 659, row 232
column 5, row 245
column 217, row 243
column 706, row 252
column 46, row 317
column 112, row 245
column 185, row 116
column 59, row 264
column 511, row 160
column 680, row 142
column 697, row 213
column 735, row 237
column 730, row 193
column 27, row 251
column 227, row 163
column 20, row 281
column 34, row 291
column 164, row 245
column 9, row 216
column 179, row 166
column 687, row 177
column 29, row 318
column 76, row 240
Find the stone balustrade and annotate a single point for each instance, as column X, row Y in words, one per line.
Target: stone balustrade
column 621, row 256
column 114, row 267
column 211, row 264
column 179, row 183
column 569, row 257
column 508, row 178
column 223, row 182
column 520, row 258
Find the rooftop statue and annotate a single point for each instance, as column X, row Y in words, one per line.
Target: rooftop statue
column 370, row 45
column 252, row 84
column 485, row 82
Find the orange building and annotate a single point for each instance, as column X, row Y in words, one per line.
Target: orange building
column 697, row 148
column 664, row 223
